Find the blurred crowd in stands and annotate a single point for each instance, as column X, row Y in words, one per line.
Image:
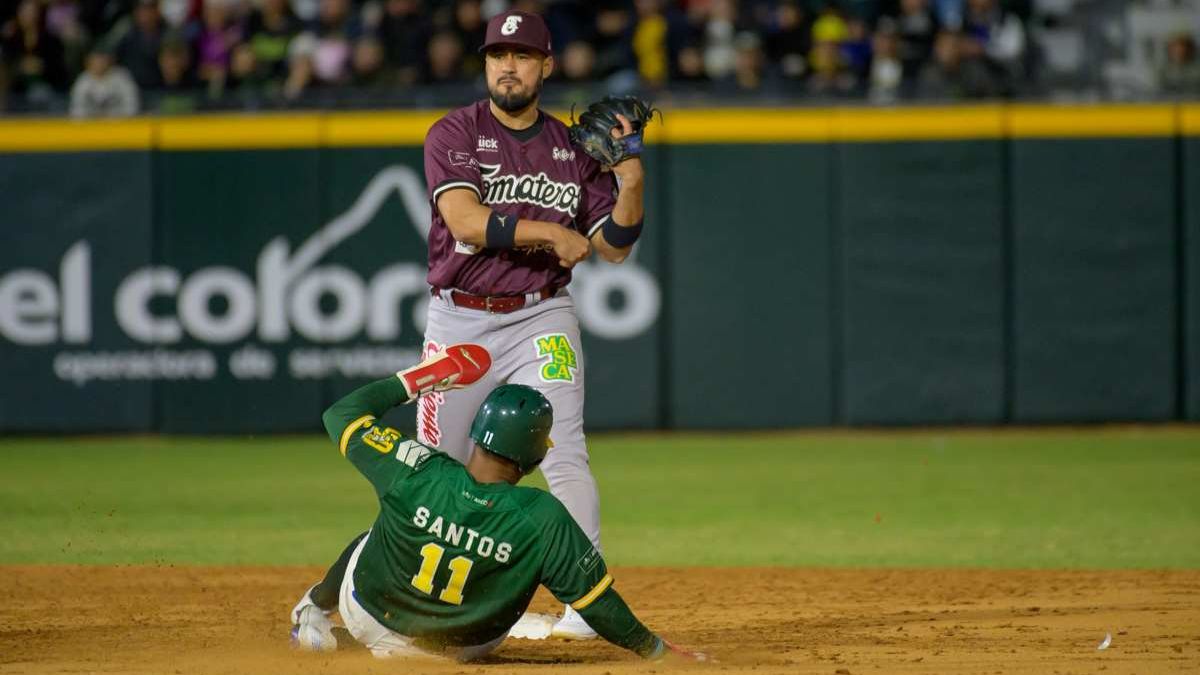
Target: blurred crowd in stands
column 121, row 57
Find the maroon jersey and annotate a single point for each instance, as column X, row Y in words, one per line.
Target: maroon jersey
column 533, row 173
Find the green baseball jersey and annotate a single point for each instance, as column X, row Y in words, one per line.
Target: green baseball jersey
column 455, row 561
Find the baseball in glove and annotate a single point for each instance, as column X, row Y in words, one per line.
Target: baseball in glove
column 592, row 132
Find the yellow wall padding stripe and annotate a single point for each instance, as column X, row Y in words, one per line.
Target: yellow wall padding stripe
column 46, row 135
column 918, row 124
column 378, row 128
column 745, row 125
column 682, row 126
column 594, row 593
column 231, row 132
column 1028, row 121
column 349, row 431
column 1189, row 119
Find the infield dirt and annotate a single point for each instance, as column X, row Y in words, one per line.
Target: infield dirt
column 147, row 619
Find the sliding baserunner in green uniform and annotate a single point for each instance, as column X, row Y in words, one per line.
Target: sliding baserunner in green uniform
column 456, row 553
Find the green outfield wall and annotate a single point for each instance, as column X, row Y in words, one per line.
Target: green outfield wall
column 922, row 259
column 1095, row 261
column 1189, row 279
column 979, row 265
column 748, row 286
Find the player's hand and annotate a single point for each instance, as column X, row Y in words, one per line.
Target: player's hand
column 571, row 247
column 625, row 129
column 629, row 168
column 679, row 652
column 674, row 652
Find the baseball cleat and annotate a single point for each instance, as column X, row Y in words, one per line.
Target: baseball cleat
column 305, row 601
column 314, row 632
column 533, row 626
column 572, row 627
column 454, row 367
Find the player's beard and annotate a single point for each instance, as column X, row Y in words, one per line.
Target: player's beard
column 514, row 102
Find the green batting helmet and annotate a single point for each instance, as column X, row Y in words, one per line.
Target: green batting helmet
column 514, row 422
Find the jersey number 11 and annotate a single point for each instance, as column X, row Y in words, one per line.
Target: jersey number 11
column 460, row 567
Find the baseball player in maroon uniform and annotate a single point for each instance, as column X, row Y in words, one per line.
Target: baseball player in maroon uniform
column 515, row 207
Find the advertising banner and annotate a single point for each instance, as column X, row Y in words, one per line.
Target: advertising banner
column 799, row 267
column 271, row 282
column 72, row 228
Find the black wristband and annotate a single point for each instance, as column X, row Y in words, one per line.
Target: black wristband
column 501, row 231
column 620, row 236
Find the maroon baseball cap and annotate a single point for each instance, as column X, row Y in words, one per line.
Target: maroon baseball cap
column 518, row 29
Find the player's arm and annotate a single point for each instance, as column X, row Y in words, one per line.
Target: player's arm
column 361, row 407
column 454, row 367
column 614, row 233
column 575, row 573
column 612, row 619
column 456, row 190
column 376, row 450
column 473, row 223
column 380, row 453
column 351, row 424
column 627, row 213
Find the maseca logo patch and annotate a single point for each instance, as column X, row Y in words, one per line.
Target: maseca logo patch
column 562, row 362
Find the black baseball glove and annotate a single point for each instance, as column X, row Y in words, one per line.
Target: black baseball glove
column 592, row 132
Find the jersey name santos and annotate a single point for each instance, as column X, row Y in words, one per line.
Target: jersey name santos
column 537, row 189
column 458, row 535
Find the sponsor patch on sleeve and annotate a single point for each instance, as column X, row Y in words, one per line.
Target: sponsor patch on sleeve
column 466, row 249
column 382, row 439
column 589, row 561
column 411, row 452
column 459, row 158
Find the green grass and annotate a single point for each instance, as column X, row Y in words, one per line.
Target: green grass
column 1091, row 498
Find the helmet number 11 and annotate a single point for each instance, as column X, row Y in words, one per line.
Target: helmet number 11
column 460, row 567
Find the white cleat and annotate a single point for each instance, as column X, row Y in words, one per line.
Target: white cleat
column 314, row 631
column 533, row 626
column 572, row 627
